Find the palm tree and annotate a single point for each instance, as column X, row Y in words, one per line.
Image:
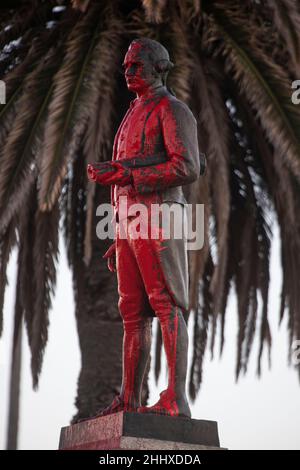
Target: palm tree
column 235, row 63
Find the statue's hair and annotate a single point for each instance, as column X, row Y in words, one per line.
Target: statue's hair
column 157, row 54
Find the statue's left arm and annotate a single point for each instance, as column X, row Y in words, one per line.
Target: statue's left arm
column 179, row 132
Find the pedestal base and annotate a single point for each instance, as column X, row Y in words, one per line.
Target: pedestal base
column 138, row 431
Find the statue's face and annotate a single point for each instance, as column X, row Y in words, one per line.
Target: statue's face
column 138, row 69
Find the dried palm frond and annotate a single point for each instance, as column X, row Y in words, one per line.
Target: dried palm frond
column 63, row 131
column 26, row 267
column 283, row 190
column 213, row 116
column 18, row 76
column 81, row 5
column 18, row 319
column 99, row 91
column 252, row 265
column 14, row 83
column 17, row 54
column 38, row 254
column 73, row 214
column 45, row 256
column 263, row 82
column 154, row 10
column 98, row 104
column 7, row 242
column 157, row 11
column 136, row 26
column 18, row 163
column 201, row 323
column 176, row 40
column 20, row 22
column 286, row 16
column 199, row 193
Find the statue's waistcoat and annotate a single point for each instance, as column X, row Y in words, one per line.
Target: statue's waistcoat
column 140, row 135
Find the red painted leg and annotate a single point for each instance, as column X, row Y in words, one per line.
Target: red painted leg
column 172, row 401
column 133, row 304
column 136, row 353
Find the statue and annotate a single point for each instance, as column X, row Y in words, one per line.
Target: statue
column 152, row 273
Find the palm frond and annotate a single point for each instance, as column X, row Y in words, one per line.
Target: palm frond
column 176, row 40
column 263, row 82
column 202, row 316
column 18, row 163
column 213, row 116
column 26, row 266
column 63, row 132
column 81, row 5
column 45, row 255
column 17, row 77
column 38, row 254
column 20, row 22
column 283, row 191
column 199, row 194
column 73, row 218
column 98, row 104
column 16, row 54
column 154, row 10
column 157, row 11
column 253, row 271
column 286, row 16
column 7, row 242
column 18, row 317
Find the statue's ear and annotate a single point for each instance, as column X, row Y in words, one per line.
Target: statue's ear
column 163, row 66
column 155, row 72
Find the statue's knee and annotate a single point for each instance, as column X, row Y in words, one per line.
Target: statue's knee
column 130, row 307
column 141, row 325
column 161, row 303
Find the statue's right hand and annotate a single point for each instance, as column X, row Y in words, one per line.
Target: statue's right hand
column 91, row 172
column 110, row 255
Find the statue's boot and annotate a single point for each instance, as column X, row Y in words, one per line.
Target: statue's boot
column 173, row 400
column 136, row 352
column 116, row 405
column 169, row 405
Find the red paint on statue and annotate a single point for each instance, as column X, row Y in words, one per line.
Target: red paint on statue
column 156, row 122
column 144, row 279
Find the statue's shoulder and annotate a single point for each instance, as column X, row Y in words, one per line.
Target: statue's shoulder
column 170, row 104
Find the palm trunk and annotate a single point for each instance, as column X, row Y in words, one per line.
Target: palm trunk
column 14, row 392
column 99, row 326
column 101, row 368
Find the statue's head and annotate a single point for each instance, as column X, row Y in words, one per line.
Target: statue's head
column 146, row 64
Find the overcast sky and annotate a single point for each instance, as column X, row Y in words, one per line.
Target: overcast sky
column 253, row 414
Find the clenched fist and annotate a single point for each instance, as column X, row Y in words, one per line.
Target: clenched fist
column 110, row 255
column 119, row 174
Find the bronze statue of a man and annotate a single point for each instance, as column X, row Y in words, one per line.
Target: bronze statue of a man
column 152, row 272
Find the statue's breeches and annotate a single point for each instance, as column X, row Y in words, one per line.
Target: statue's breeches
column 152, row 275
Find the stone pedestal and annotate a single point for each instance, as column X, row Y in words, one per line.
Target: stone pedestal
column 137, row 431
